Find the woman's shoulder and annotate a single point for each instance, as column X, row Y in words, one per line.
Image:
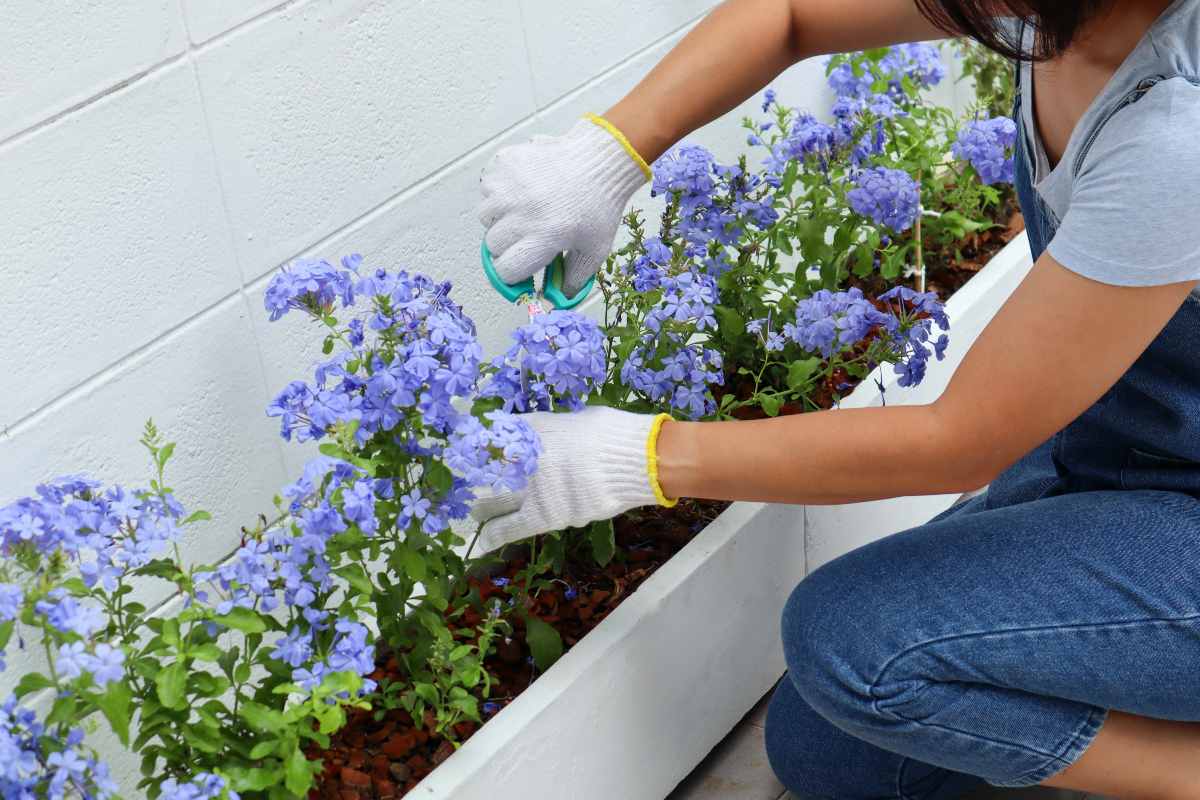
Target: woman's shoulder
column 1157, row 130
column 1176, row 39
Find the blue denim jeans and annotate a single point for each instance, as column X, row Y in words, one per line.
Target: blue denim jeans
column 989, row 644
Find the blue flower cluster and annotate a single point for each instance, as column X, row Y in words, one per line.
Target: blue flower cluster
column 806, row 137
column 105, row 534
column 888, row 196
column 412, row 359
column 917, row 313
column 916, row 61
column 426, row 356
column 829, row 322
column 351, row 651
column 311, row 285
column 714, row 200
column 33, row 765
column 502, row 454
column 556, row 361
column 988, row 144
column 204, row 786
column 667, row 366
column 902, row 320
column 288, row 566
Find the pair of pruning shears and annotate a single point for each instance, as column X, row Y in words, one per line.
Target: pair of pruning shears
column 526, row 292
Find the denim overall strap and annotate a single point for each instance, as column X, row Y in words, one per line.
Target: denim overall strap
column 1038, row 221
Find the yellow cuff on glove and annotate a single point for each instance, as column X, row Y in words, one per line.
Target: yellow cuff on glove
column 652, row 461
column 620, row 137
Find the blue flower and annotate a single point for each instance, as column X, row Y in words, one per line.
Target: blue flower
column 67, row 615
column 204, row 786
column 108, row 665
column 888, row 196
column 11, row 598
column 685, row 169
column 309, row 285
column 988, row 144
column 557, row 361
column 295, row 649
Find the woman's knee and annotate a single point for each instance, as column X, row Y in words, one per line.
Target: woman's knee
column 829, row 642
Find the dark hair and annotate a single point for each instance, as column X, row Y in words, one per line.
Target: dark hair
column 1055, row 22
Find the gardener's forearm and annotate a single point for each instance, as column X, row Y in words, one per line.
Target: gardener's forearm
column 739, row 48
column 841, row 456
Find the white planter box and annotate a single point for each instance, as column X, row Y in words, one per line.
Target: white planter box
column 633, row 707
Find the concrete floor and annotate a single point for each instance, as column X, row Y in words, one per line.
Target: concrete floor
column 737, row 769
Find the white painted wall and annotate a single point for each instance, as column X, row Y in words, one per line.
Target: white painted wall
column 160, row 159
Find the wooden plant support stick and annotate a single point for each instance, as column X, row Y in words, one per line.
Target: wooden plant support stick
column 920, row 248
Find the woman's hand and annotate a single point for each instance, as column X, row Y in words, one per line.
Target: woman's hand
column 569, row 192
column 594, row 465
column 559, row 193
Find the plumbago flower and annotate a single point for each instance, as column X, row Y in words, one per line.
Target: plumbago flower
column 835, row 338
column 71, row 553
column 35, row 762
column 666, row 366
column 556, row 361
column 739, row 297
column 988, row 144
column 406, row 439
column 890, row 197
column 414, row 423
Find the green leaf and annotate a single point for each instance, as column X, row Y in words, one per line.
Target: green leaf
column 203, row 738
column 170, row 632
column 730, row 323
column 544, row 642
column 800, row 371
column 33, row 683
column 299, row 776
column 426, row 692
column 438, row 476
column 165, row 453
column 462, row 651
column 263, row 749
column 267, row 720
column 206, row 652
column 334, row 451
column 242, row 619
column 6, row 631
column 117, row 705
column 65, row 710
column 604, row 541
column 170, row 684
column 197, row 516
column 414, row 565
column 771, row 403
column 256, row 779
column 357, row 577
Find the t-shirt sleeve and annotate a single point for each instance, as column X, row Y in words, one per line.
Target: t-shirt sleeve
column 1134, row 213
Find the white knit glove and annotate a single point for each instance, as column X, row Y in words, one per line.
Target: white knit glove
column 559, row 193
column 594, row 465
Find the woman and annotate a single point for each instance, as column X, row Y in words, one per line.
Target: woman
column 1047, row 631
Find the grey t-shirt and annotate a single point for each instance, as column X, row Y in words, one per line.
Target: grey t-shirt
column 1126, row 192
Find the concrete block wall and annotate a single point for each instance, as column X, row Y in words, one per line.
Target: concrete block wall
column 160, row 159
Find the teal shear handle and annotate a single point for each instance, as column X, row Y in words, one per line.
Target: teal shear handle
column 552, row 283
